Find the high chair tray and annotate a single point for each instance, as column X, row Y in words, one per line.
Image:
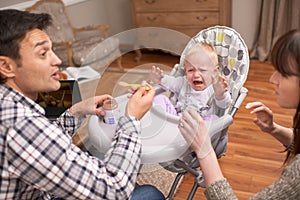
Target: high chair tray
column 160, row 136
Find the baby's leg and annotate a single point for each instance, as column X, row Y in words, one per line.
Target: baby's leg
column 210, row 117
column 165, row 103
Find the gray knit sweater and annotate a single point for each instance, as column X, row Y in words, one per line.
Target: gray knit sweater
column 286, row 187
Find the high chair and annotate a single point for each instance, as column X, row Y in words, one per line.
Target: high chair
column 161, row 140
column 234, row 64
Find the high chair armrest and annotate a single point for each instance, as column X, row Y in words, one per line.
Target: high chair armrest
column 242, row 95
column 159, row 89
column 217, row 125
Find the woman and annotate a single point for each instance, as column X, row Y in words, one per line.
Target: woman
column 285, row 57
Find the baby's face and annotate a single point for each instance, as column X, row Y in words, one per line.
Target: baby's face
column 199, row 70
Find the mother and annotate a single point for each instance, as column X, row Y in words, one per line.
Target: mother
column 285, row 58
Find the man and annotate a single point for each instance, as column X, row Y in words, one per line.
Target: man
column 37, row 157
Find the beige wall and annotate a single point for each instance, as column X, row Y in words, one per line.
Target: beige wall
column 245, row 17
column 117, row 14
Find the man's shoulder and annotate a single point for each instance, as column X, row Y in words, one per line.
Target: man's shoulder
column 15, row 107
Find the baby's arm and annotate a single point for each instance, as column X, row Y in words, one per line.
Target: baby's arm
column 156, row 75
column 171, row 83
column 220, row 86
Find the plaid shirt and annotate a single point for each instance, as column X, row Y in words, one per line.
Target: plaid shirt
column 37, row 157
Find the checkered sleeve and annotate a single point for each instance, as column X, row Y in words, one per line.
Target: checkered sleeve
column 44, row 157
column 68, row 122
column 123, row 157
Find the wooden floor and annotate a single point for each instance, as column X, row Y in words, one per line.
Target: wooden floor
column 253, row 159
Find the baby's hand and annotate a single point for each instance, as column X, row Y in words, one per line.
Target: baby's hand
column 156, row 75
column 220, row 86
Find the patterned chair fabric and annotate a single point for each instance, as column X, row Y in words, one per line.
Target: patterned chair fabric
column 232, row 53
column 73, row 45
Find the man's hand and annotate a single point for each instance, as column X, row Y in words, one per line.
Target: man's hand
column 89, row 106
column 140, row 101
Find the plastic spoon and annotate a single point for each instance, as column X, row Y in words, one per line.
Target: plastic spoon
column 123, row 83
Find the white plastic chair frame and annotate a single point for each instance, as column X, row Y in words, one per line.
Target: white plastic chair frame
column 234, row 65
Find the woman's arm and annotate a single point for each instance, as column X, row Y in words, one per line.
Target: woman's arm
column 264, row 120
column 193, row 129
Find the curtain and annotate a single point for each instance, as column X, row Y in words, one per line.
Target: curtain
column 276, row 18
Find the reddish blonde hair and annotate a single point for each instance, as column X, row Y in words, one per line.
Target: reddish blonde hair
column 204, row 47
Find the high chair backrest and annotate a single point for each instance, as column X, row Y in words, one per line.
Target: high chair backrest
column 232, row 55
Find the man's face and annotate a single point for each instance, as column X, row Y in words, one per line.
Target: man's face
column 199, row 70
column 39, row 65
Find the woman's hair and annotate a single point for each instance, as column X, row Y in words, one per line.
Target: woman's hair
column 285, row 57
column 14, row 24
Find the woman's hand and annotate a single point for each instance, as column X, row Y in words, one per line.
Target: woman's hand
column 264, row 120
column 140, row 101
column 156, row 75
column 194, row 131
column 90, row 106
column 264, row 116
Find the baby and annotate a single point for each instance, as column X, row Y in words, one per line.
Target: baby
column 200, row 85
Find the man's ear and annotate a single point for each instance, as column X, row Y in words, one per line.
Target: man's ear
column 7, row 67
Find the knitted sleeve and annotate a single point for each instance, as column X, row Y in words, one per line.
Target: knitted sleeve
column 286, row 187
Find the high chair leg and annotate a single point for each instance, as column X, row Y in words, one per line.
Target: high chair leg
column 193, row 191
column 174, row 185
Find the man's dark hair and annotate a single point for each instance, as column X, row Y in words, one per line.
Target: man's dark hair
column 14, row 24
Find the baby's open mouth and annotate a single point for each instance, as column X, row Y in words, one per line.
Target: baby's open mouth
column 198, row 82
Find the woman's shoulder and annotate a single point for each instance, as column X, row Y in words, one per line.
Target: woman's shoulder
column 294, row 167
column 296, row 159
